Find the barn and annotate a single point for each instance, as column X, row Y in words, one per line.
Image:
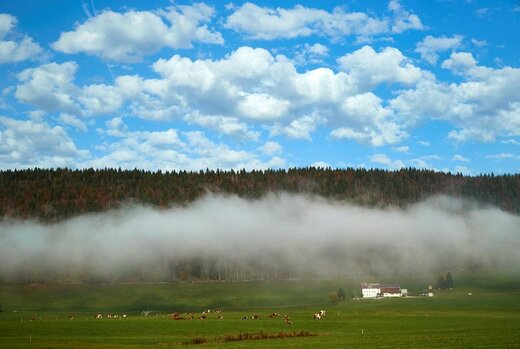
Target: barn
column 377, row 291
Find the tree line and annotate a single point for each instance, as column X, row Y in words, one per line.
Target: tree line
column 54, row 194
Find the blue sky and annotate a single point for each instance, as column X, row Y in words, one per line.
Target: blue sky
column 194, row 85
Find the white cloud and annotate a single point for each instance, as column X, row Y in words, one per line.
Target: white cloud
column 461, row 63
column 271, row 148
column 101, row 99
column 230, row 126
column 430, row 46
column 262, row 106
column 264, row 23
column 471, row 133
column 377, row 128
column 482, row 12
column 27, row 143
column 311, row 54
column 402, row 149
column 297, row 129
column 320, row 164
column 49, row 87
column 479, row 43
column 15, row 51
column 500, row 156
column 129, row 36
column 382, row 159
column 171, row 149
column 486, row 104
column 370, row 68
column 252, row 85
column 424, row 143
column 511, row 141
column 403, row 20
column 425, row 161
column 464, row 170
column 234, row 95
column 460, row 158
column 73, row 121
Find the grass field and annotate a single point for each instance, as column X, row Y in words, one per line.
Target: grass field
column 489, row 318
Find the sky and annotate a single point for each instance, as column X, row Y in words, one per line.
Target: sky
column 177, row 85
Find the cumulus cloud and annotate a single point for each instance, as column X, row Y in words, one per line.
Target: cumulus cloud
column 460, row 158
column 484, row 105
column 271, row 148
column 73, row 121
column 11, row 50
column 430, row 46
column 129, row 36
column 29, row 143
column 382, row 159
column 402, row 149
column 230, row 126
column 49, row 87
column 500, row 156
column 370, row 68
column 264, row 23
column 171, row 149
column 403, row 19
column 293, row 234
column 311, row 54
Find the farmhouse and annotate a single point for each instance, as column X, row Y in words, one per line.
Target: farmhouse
column 376, row 290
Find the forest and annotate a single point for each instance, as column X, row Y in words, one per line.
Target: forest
column 52, row 195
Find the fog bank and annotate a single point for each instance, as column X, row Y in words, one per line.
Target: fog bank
column 278, row 236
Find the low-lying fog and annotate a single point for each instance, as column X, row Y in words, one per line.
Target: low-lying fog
column 300, row 236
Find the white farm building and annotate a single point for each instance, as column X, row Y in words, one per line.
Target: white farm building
column 376, row 290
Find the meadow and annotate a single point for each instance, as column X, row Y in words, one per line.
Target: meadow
column 39, row 316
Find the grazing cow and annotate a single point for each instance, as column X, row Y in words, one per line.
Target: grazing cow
column 317, row 316
column 244, row 317
column 287, row 320
column 203, row 317
column 322, row 312
column 274, row 315
column 255, row 317
column 124, row 315
column 99, row 316
column 220, row 317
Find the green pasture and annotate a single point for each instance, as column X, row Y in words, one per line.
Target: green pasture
column 488, row 318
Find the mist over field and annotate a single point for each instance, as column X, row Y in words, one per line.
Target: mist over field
column 280, row 235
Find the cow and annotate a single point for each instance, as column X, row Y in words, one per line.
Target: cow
column 99, row 316
column 255, row 317
column 287, row 320
column 272, row 315
column 317, row 316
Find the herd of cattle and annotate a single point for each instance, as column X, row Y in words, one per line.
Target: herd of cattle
column 206, row 314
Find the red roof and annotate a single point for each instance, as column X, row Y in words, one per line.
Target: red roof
column 390, row 289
